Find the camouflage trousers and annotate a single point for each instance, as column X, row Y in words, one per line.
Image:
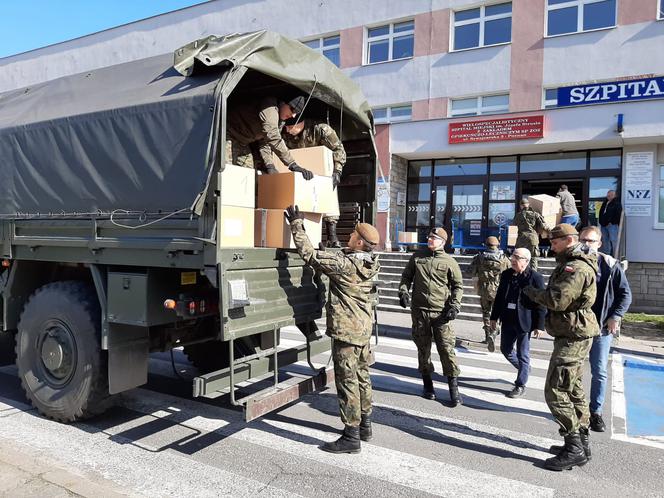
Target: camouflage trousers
column 530, row 242
column 563, row 390
column 428, row 327
column 246, row 156
column 331, row 218
column 351, row 377
column 486, row 303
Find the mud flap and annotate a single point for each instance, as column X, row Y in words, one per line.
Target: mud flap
column 128, row 352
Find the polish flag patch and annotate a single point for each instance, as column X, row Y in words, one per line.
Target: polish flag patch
column 570, row 269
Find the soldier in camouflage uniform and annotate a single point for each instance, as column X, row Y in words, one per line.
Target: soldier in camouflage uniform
column 308, row 133
column 487, row 267
column 529, row 224
column 437, row 290
column 350, row 316
column 569, row 297
column 254, row 132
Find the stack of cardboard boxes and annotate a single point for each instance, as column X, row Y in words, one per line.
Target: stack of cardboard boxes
column 547, row 206
column 248, row 220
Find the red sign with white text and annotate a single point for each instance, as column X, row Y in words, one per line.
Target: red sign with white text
column 491, row 130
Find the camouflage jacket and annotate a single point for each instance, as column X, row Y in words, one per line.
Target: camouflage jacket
column 487, row 267
column 436, row 279
column 350, row 306
column 258, row 122
column 529, row 221
column 315, row 134
column 570, row 294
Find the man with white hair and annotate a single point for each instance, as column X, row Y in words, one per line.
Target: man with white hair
column 518, row 315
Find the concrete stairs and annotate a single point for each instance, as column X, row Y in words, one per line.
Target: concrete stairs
column 392, row 265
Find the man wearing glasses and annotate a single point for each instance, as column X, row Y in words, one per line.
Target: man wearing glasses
column 437, row 290
column 518, row 315
column 613, row 299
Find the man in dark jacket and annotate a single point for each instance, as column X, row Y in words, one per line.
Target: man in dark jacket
column 609, row 219
column 519, row 316
column 613, row 299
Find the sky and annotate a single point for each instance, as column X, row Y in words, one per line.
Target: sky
column 29, row 24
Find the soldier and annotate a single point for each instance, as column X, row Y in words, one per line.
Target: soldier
column 487, row 267
column 254, row 133
column 437, row 291
column 350, row 316
column 569, row 297
column 308, row 133
column 529, row 223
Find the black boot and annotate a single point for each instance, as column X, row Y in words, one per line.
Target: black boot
column 487, row 334
column 455, row 397
column 365, row 428
column 332, row 240
column 585, row 442
column 428, row 391
column 349, row 442
column 572, row 454
column 491, row 342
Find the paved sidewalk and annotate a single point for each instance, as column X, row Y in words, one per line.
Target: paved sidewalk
column 24, row 473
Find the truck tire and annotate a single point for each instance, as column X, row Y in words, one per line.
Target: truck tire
column 62, row 368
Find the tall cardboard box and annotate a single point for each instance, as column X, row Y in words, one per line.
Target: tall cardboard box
column 408, row 237
column 512, row 234
column 318, row 160
column 285, row 189
column 272, row 230
column 236, row 227
column 545, row 205
column 238, row 186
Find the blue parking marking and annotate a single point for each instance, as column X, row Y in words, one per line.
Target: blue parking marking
column 644, row 399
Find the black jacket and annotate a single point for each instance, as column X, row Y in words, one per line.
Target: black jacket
column 610, row 213
column 531, row 316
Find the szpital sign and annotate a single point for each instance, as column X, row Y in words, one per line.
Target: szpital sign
column 616, row 91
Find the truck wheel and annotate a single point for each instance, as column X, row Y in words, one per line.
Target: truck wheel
column 62, row 368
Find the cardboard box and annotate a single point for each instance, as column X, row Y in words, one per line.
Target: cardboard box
column 512, row 234
column 272, row 230
column 545, row 205
column 318, row 160
column 551, row 221
column 236, row 226
column 238, row 186
column 408, row 237
column 284, row 189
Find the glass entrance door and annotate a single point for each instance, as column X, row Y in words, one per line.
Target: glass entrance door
column 466, row 215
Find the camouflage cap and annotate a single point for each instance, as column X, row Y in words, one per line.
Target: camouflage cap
column 297, row 104
column 491, row 241
column 439, row 232
column 368, row 233
column 562, row 230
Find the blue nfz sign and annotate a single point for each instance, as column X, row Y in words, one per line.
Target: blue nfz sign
column 617, row 91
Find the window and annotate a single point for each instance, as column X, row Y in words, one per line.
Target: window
column 503, row 165
column 550, row 98
column 606, row 159
column 598, row 188
column 476, row 106
column 660, row 199
column 419, row 169
column 483, row 26
column 460, row 167
column 390, row 42
column 574, row 16
column 392, row 114
column 660, row 10
column 562, row 161
column 328, row 46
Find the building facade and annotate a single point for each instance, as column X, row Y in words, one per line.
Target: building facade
column 476, row 103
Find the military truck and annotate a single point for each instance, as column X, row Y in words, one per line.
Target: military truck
column 110, row 229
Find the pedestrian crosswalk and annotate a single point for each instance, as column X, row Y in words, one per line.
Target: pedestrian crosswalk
column 161, row 444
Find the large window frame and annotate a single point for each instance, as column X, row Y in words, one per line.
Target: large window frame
column 660, row 10
column 659, row 224
column 481, row 20
column 393, row 113
column 580, row 6
column 480, row 109
column 549, row 101
column 390, row 36
column 325, row 45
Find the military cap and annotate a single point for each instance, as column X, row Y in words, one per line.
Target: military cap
column 368, row 233
column 563, row 230
column 297, row 104
column 439, row 232
column 491, row 241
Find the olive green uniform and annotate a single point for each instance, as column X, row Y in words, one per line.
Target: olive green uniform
column 350, row 318
column 487, row 267
column 254, row 132
column 437, row 286
column 529, row 224
column 314, row 135
column 569, row 296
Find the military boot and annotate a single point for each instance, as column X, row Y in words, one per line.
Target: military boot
column 572, row 454
column 365, row 428
column 491, row 342
column 428, row 391
column 332, row 240
column 455, row 397
column 487, row 334
column 349, row 442
column 585, row 442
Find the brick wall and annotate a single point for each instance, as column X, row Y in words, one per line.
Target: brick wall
column 398, row 183
column 646, row 280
